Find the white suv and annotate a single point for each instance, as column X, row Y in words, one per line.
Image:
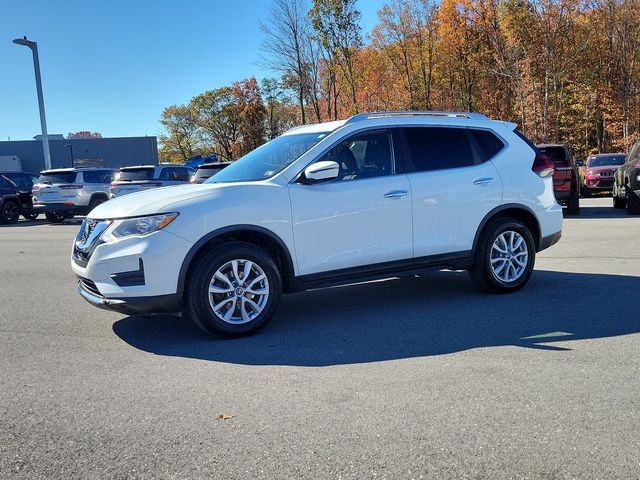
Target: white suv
column 376, row 196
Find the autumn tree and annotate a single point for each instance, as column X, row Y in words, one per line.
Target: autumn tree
column 182, row 138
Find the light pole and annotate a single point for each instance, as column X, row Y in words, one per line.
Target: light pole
column 43, row 121
column 70, row 147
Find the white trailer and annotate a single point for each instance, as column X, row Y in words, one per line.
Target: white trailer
column 10, row 163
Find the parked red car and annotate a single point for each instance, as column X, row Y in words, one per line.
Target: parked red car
column 566, row 181
column 598, row 173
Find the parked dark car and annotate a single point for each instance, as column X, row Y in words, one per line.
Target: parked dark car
column 626, row 183
column 208, row 170
column 596, row 175
column 566, row 183
column 15, row 196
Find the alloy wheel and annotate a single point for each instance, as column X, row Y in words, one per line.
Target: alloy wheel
column 509, row 256
column 238, row 291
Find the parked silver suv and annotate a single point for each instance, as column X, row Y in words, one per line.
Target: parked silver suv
column 144, row 177
column 66, row 192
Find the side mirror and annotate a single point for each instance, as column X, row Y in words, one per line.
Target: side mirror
column 580, row 163
column 321, row 172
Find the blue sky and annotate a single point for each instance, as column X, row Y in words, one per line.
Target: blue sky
column 112, row 66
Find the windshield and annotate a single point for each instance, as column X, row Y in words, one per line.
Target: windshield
column 606, row 161
column 134, row 174
column 54, row 178
column 271, row 158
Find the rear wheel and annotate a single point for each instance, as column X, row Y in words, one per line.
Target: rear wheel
column 95, row 202
column 573, row 205
column 234, row 290
column 54, row 217
column 9, row 212
column 504, row 257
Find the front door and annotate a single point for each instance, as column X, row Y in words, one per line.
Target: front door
column 362, row 218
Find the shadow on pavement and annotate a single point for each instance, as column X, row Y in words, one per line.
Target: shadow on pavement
column 439, row 313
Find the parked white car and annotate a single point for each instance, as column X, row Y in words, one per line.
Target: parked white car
column 376, row 196
column 144, row 177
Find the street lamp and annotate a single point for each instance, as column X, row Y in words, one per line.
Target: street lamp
column 70, row 147
column 43, row 121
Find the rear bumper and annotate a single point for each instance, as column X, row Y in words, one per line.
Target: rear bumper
column 133, row 305
column 549, row 240
column 60, row 207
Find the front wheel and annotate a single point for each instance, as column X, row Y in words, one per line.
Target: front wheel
column 633, row 203
column 504, row 257
column 233, row 290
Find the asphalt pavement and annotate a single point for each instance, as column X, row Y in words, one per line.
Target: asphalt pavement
column 398, row 379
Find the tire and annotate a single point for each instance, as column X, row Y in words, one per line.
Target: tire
column 633, row 203
column 573, row 205
column 210, row 270
column 54, row 217
column 617, row 201
column 9, row 212
column 95, row 202
column 484, row 273
column 30, row 216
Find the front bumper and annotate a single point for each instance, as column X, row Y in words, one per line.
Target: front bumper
column 131, row 305
column 599, row 183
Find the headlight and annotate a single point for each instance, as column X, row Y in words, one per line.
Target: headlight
column 139, row 227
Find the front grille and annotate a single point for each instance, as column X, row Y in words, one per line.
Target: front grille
column 606, row 174
column 89, row 286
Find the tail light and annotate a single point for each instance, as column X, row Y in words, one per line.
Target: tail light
column 636, row 165
column 35, row 188
column 114, row 184
column 70, row 187
column 542, row 165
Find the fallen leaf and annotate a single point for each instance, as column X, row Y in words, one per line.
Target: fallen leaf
column 225, row 417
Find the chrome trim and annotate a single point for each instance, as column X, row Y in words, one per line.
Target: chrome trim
column 396, row 194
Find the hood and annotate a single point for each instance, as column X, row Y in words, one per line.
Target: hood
column 604, row 168
column 157, row 200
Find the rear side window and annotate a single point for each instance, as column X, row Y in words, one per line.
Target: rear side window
column 437, row 148
column 135, row 174
column 488, row 144
column 55, row 178
column 100, row 176
column 557, row 154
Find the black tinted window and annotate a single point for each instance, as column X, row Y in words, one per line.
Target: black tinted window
column 135, row 174
column 488, row 144
column 436, row 148
column 182, row 174
column 364, row 155
column 54, row 178
column 558, row 155
column 23, row 181
column 100, row 176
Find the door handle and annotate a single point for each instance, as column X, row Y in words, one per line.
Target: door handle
column 483, row 181
column 396, row 194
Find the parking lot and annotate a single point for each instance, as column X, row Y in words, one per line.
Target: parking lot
column 411, row 378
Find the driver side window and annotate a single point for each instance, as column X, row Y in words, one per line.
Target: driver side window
column 365, row 155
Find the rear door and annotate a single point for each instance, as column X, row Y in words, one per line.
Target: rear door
column 454, row 186
column 54, row 187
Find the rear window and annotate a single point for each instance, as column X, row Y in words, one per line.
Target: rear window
column 557, row 154
column 55, row 178
column 202, row 173
column 135, row 174
column 100, row 176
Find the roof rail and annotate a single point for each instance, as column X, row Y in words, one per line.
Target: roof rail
column 414, row 113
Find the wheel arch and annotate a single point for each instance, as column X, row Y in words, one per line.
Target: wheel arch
column 512, row 210
column 253, row 234
column 98, row 195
